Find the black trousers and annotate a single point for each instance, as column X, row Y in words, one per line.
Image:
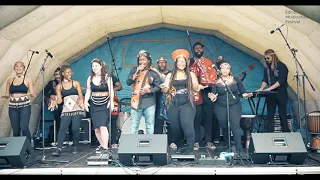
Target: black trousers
column 235, row 112
column 57, row 118
column 182, row 124
column 114, row 130
column 215, row 127
column 19, row 119
column 204, row 116
column 65, row 122
column 273, row 100
column 158, row 128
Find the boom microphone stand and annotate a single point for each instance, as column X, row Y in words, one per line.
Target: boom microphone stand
column 42, row 71
column 297, row 76
column 113, row 67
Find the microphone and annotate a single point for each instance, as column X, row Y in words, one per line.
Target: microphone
column 276, row 29
column 49, row 54
column 217, row 70
column 188, row 32
column 37, row 52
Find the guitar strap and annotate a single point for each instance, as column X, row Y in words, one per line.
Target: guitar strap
column 141, row 81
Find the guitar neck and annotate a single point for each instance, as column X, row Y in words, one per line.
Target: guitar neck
column 242, row 72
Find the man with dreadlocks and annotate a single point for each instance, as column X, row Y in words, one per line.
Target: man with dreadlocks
column 207, row 76
column 275, row 76
column 145, row 83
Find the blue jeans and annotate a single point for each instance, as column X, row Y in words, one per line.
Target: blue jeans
column 149, row 114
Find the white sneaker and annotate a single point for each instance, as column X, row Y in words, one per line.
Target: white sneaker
column 173, row 146
column 98, row 150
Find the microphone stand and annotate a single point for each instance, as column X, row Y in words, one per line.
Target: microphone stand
column 32, row 139
column 29, row 63
column 42, row 71
column 297, row 76
column 113, row 67
column 227, row 89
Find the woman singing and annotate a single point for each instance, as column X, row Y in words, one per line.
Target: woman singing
column 100, row 93
column 179, row 86
column 219, row 94
column 19, row 102
column 69, row 92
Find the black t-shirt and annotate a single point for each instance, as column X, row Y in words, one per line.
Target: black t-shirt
column 114, row 80
column 280, row 74
column 158, row 97
column 50, row 88
column 158, row 94
column 236, row 87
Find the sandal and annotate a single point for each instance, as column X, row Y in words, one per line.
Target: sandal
column 196, row 146
column 211, row 145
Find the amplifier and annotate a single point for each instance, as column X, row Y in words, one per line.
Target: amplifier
column 85, row 131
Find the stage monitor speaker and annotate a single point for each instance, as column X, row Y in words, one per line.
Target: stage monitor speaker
column 16, row 152
column 143, row 149
column 277, row 148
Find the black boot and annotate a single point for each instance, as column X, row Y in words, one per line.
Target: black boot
column 57, row 152
column 179, row 150
column 188, row 151
column 75, row 150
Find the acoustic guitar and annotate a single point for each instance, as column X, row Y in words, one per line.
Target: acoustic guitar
column 116, row 109
column 243, row 74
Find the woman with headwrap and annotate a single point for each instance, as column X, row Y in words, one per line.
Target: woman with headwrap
column 179, row 87
column 221, row 95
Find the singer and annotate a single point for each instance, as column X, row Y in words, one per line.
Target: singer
column 145, row 83
column 219, row 95
column 207, row 76
column 100, row 92
column 179, row 87
column 19, row 102
column 73, row 108
column 275, row 76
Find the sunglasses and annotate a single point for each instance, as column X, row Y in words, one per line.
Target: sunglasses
column 267, row 58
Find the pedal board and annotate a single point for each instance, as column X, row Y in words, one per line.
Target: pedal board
column 100, row 160
column 212, row 161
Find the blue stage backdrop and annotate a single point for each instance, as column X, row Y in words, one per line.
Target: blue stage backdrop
column 162, row 42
